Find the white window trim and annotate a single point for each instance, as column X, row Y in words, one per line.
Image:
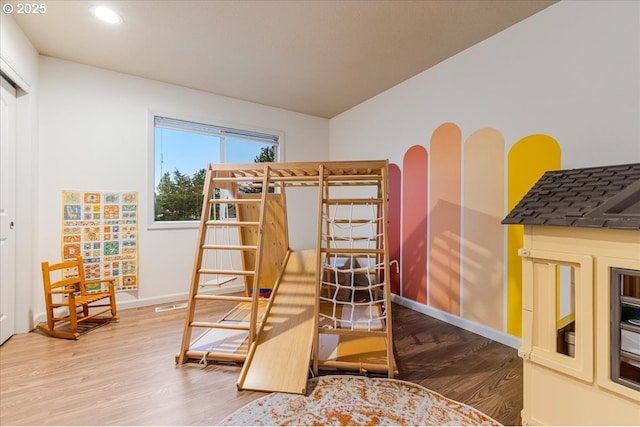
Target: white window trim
column 152, row 114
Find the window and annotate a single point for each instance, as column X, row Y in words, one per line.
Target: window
column 558, row 321
column 565, row 310
column 625, row 327
column 618, row 324
column 182, row 150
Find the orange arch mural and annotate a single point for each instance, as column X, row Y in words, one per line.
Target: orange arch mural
column 444, row 217
column 528, row 159
column 448, row 216
column 414, row 224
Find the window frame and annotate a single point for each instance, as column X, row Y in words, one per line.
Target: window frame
column 605, row 264
column 540, row 315
column 153, row 224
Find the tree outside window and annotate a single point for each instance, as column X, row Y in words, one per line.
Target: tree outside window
column 183, row 151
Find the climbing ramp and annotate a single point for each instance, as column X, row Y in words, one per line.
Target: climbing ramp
column 323, row 308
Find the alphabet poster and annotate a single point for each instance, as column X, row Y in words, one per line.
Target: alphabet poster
column 102, row 227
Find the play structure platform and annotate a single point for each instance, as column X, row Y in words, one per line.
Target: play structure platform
column 326, row 307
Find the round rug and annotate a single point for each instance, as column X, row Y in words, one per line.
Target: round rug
column 355, row 400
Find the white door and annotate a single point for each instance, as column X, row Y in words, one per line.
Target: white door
column 7, row 210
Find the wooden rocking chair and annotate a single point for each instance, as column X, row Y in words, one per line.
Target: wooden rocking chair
column 71, row 293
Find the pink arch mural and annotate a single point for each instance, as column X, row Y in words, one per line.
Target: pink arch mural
column 414, row 224
column 445, row 222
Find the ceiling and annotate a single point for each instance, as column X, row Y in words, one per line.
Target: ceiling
column 313, row 57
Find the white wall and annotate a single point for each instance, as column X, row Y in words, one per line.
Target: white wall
column 19, row 61
column 94, row 136
column 19, row 57
column 571, row 71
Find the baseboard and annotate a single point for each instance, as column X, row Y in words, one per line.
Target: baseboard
column 145, row 302
column 476, row 328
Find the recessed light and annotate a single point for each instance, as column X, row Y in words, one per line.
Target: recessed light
column 105, row 14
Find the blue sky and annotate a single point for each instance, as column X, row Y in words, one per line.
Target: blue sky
column 189, row 152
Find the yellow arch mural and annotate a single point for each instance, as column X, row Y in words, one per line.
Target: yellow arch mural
column 528, row 159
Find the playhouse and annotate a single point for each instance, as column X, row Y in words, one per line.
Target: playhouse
column 325, row 307
column 581, row 297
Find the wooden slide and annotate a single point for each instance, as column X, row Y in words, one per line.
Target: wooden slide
column 279, row 360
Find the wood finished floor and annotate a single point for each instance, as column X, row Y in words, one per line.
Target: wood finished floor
column 124, row 373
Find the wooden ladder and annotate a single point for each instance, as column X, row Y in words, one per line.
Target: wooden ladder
column 328, row 246
column 222, row 180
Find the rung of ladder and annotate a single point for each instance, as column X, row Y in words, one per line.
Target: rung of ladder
column 239, row 178
column 364, row 332
column 231, row 247
column 351, row 183
column 230, row 272
column 354, row 221
column 213, row 355
column 234, row 326
column 351, row 239
column 222, row 298
column 222, row 201
column 362, row 367
column 232, row 223
column 296, row 178
column 353, row 251
column 350, row 178
column 352, row 201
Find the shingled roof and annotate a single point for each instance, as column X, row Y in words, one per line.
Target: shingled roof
column 599, row 197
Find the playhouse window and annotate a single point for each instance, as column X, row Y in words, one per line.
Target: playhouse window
column 625, row 327
column 559, row 331
column 565, row 310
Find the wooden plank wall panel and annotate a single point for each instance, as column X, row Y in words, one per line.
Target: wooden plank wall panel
column 445, row 218
column 276, row 242
column 248, row 235
column 483, row 239
column 276, row 237
column 414, row 224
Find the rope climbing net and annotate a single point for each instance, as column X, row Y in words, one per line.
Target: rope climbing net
column 352, row 287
